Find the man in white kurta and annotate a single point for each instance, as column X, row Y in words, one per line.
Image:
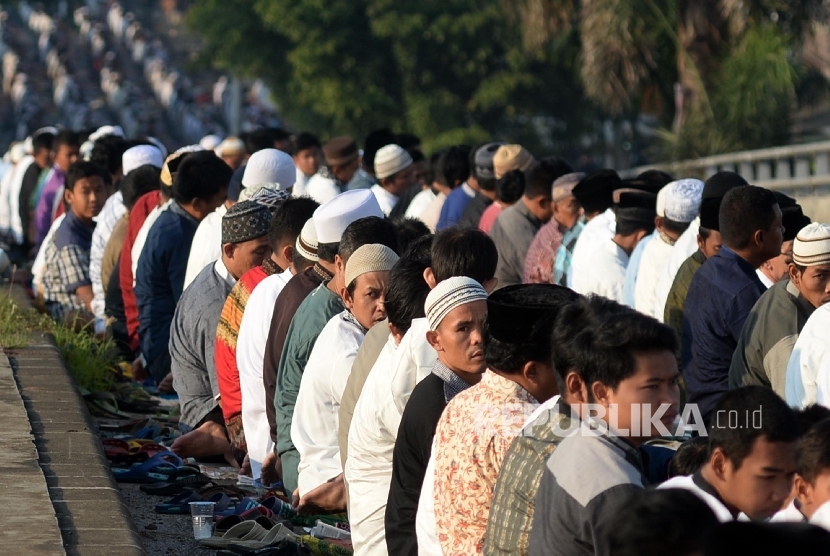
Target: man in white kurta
column 606, row 277
column 597, row 231
column 808, row 358
column 207, row 244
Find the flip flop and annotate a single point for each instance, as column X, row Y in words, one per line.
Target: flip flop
column 244, row 505
column 245, row 531
column 115, row 448
column 183, row 478
column 275, row 535
column 156, row 469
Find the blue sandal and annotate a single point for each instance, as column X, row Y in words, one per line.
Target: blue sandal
column 156, row 469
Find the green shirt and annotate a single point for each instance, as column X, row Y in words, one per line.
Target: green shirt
column 312, row 315
column 676, row 302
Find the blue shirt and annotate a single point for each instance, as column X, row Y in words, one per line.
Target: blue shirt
column 633, row 268
column 721, row 295
column 159, row 278
column 454, row 206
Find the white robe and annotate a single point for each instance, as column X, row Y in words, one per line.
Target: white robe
column 419, row 203
column 687, row 483
column 426, row 528
column 807, row 359
column 600, row 228
column 684, row 247
column 39, row 266
column 112, row 212
column 372, row 436
column 316, row 412
column 386, row 200
column 250, row 354
column 653, row 263
column 606, row 277
column 206, row 246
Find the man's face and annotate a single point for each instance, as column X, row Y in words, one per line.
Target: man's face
column 247, row 255
column 777, row 267
column 87, row 198
column 308, row 160
column 234, row 160
column 813, row 283
column 401, row 181
column 761, row 485
column 711, row 245
column 66, row 156
column 367, row 303
column 43, row 157
column 346, row 172
column 203, row 207
column 542, row 208
column 458, row 339
column 567, row 212
column 774, row 236
column 653, row 384
column 420, row 171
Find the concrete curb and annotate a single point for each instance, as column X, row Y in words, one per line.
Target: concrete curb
column 91, row 513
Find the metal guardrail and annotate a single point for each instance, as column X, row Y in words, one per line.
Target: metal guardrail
column 796, row 167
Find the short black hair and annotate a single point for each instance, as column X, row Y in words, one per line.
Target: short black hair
column 407, row 290
column 140, row 181
column 459, row 251
column 811, row 415
column 604, row 336
column 813, row 456
column 752, row 537
column 289, row 219
column 107, row 151
column 704, row 233
column 690, row 457
column 777, row 422
column 417, row 155
column 363, row 231
column 328, row 251
column 675, row 227
column 539, row 179
column 85, row 169
column 453, row 166
column 375, row 141
column 278, row 134
column 431, row 175
column 258, row 140
column 487, row 184
column 511, row 357
column 408, row 141
column 306, row 140
column 201, row 175
column 743, row 211
column 409, row 229
column 511, row 186
column 625, row 227
column 657, row 522
column 43, row 141
column 66, row 137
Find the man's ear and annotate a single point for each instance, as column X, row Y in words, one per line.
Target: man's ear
column 347, row 299
column 228, row 249
column 759, row 237
column 339, row 265
column 67, row 196
column 576, row 387
column 601, row 393
column 719, row 463
column 396, row 332
column 490, row 285
column 429, row 277
column 288, row 253
column 434, row 340
column 794, row 274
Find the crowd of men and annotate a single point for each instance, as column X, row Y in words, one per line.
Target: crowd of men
column 475, row 351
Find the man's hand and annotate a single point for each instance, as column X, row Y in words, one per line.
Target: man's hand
column 139, row 372
column 271, row 469
column 326, row 498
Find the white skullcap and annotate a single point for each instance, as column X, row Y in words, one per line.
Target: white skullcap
column 449, row 294
column 661, row 200
column 391, row 159
column 17, row 152
column 372, row 257
column 189, row 149
column 48, row 129
column 105, row 130
column 86, row 149
column 28, row 147
column 160, row 146
column 332, row 218
column 307, row 242
column 210, row 142
column 270, row 166
column 139, row 156
column 231, row 145
column 683, row 199
column 811, row 246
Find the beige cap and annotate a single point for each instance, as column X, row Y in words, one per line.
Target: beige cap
column 512, row 157
column 372, row 257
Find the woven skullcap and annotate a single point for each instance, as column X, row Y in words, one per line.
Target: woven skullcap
column 372, row 257
column 210, row 142
column 811, row 246
column 449, row 294
column 333, row 217
column 245, row 221
column 139, row 156
column 563, row 186
column 190, row 149
column 683, row 198
column 307, row 242
column 391, row 159
column 511, row 157
column 270, row 166
column 231, row 145
column 483, row 160
column 265, row 194
column 105, row 130
column 170, row 167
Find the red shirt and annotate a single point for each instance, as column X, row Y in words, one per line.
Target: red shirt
column 489, row 217
column 143, row 207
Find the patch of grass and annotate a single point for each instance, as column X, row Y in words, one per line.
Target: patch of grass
column 89, row 359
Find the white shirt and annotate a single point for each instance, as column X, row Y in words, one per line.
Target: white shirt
column 316, row 412
column 300, row 184
column 250, row 354
column 112, row 212
column 12, row 197
column 419, row 203
column 426, row 527
column 321, row 188
column 807, row 359
column 684, row 247
column 386, row 200
column 39, row 266
column 764, row 279
column 598, row 229
column 413, row 363
column 789, row 514
column 687, row 483
column 655, row 257
column 607, row 275
column 372, row 436
column 432, row 213
column 207, row 244
column 141, row 236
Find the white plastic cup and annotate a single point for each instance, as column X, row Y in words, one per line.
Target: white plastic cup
column 202, row 515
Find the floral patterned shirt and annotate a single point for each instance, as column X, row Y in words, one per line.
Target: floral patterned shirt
column 471, row 441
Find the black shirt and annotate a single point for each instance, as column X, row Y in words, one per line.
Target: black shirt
column 27, row 189
column 473, row 211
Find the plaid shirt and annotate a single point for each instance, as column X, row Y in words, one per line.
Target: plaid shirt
column 67, row 267
column 453, row 384
column 562, row 262
column 511, row 512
